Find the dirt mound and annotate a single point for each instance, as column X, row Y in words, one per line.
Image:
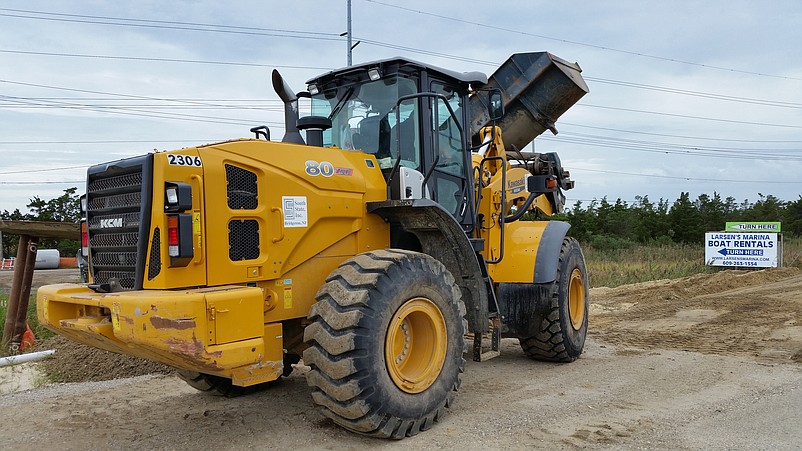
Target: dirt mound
column 750, row 313
column 74, row 362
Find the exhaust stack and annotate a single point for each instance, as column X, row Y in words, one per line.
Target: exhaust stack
column 291, row 114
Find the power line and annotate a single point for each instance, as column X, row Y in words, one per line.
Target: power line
column 113, row 141
column 584, row 44
column 105, row 93
column 168, row 22
column 677, row 149
column 684, row 178
column 687, row 153
column 774, row 103
column 43, row 183
column 27, row 171
column 687, row 116
column 197, row 118
column 150, row 114
column 131, row 112
column 163, row 60
column 430, row 53
column 701, row 138
column 172, row 25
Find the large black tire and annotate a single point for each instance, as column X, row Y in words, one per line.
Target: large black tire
column 218, row 386
column 386, row 343
column 562, row 331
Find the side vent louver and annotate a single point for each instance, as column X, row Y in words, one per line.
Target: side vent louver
column 243, row 240
column 155, row 261
column 241, row 188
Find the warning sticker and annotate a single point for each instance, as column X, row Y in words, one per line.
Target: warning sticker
column 295, row 211
column 287, row 298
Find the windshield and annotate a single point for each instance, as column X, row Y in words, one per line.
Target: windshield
column 363, row 118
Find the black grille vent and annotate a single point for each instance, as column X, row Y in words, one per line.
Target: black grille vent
column 114, row 240
column 243, row 240
column 129, row 200
column 155, row 262
column 116, row 279
column 118, row 220
column 241, row 188
column 116, row 259
column 116, row 182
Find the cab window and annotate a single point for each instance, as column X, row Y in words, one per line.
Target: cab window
column 364, row 118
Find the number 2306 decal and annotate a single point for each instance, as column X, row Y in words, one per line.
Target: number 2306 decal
column 184, row 160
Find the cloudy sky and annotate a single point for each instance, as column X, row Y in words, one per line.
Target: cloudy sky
column 688, row 96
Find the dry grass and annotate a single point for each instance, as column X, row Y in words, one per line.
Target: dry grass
column 640, row 263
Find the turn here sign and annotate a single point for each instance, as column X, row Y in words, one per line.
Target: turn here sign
column 755, row 250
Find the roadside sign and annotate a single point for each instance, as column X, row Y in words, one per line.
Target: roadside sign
column 755, row 250
column 760, row 226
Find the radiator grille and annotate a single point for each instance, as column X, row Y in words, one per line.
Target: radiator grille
column 118, row 206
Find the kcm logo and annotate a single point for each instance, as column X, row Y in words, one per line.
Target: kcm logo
column 111, row 223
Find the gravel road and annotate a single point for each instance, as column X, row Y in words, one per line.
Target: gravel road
column 707, row 362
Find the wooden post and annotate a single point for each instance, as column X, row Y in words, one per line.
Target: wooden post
column 30, row 232
column 16, row 315
column 16, row 286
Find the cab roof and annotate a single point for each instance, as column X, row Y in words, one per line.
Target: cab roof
column 400, row 65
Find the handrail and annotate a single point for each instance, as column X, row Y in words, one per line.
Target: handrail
column 501, row 220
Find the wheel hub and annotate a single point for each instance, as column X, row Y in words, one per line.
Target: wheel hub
column 576, row 299
column 416, row 343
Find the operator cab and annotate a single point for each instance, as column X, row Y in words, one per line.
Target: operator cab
column 413, row 117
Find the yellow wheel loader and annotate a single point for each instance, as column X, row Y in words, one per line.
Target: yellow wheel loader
column 396, row 231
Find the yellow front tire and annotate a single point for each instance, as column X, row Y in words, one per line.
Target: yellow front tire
column 560, row 334
column 386, row 343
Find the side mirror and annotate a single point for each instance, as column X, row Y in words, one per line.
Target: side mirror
column 495, row 105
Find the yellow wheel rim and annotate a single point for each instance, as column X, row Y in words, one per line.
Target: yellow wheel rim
column 415, row 348
column 576, row 299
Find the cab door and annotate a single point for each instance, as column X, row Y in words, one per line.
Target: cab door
column 448, row 184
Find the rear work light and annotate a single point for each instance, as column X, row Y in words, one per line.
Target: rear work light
column 84, row 239
column 177, row 197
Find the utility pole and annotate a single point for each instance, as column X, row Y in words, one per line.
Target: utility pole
column 348, row 33
column 348, row 39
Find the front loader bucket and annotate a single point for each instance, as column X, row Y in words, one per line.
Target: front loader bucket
column 537, row 88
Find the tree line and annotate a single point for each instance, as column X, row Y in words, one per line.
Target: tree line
column 604, row 223
column 64, row 208
column 600, row 223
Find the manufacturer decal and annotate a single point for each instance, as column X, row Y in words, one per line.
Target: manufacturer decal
column 516, row 186
column 326, row 169
column 111, row 223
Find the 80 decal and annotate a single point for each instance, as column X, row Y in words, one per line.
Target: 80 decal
column 184, row 160
column 324, row 168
